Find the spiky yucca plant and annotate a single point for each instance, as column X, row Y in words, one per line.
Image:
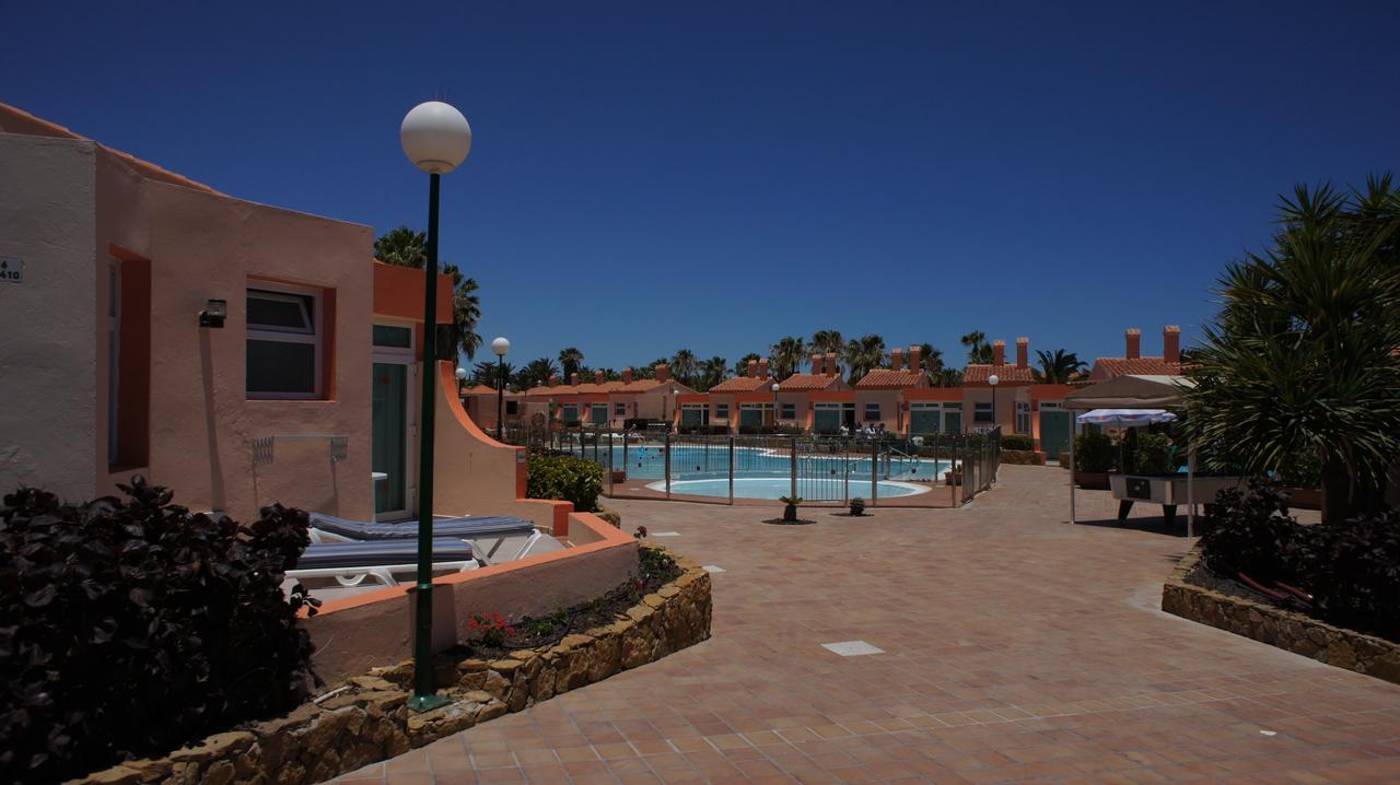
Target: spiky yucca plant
column 1303, row 361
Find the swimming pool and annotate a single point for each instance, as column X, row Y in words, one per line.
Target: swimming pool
column 759, row 471
column 775, row 487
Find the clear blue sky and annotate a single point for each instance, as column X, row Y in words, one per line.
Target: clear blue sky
column 646, row 178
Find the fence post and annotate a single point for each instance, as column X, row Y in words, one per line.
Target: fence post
column 792, row 460
column 666, row 462
column 611, row 490
column 874, row 472
column 731, row 470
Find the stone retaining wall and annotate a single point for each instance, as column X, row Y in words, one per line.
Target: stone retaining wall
column 367, row 719
column 1288, row 630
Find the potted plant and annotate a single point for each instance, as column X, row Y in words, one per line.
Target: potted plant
column 1093, row 458
column 790, row 511
column 857, row 506
column 953, row 476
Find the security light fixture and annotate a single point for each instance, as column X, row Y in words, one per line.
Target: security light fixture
column 214, row 314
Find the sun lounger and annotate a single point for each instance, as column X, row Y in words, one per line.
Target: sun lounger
column 351, row 562
column 496, row 538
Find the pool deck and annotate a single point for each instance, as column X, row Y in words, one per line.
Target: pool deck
column 1014, row 648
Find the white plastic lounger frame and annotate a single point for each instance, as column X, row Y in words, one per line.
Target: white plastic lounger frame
column 384, row 573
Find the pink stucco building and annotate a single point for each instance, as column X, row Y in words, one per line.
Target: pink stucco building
column 236, row 352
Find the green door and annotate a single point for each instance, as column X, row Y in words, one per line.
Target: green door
column 952, row 420
column 1054, row 433
column 389, row 431
column 923, row 419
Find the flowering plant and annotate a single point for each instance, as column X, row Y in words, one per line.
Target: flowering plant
column 490, row 629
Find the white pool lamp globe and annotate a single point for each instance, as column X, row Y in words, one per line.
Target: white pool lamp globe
column 992, row 380
column 500, row 346
column 775, row 386
column 461, row 374
column 435, row 137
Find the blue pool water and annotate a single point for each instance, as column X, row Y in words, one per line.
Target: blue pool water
column 775, row 487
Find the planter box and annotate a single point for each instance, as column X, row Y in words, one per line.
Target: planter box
column 1023, row 457
column 1092, row 481
column 1286, row 629
column 952, row 478
column 619, row 475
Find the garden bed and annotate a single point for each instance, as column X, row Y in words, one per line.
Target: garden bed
column 367, row 719
column 1193, row 592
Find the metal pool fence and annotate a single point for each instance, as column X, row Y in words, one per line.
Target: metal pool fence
column 931, row 470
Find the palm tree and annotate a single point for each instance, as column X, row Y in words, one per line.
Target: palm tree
column 863, row 355
column 932, row 361
column 948, row 377
column 683, row 366
column 828, row 342
column 1303, row 362
column 787, row 356
column 536, row 372
column 1058, row 368
column 570, row 362
column 490, row 373
column 741, row 368
column 978, row 350
column 407, row 248
column 713, row 371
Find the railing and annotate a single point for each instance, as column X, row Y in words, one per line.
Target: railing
column 720, row 468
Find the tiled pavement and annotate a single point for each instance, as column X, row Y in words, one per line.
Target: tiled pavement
column 1016, row 649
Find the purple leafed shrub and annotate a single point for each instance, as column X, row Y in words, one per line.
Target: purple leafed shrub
column 129, row 627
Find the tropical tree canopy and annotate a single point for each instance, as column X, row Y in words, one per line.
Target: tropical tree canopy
column 1302, row 364
column 1059, row 367
column 491, row 373
column 741, row 368
column 828, row 342
column 863, row 354
column 712, row 372
column 978, row 349
column 683, row 366
column 536, row 373
column 407, row 248
column 570, row 362
column 787, row 355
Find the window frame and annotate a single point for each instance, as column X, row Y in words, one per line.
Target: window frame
column 1023, row 410
column 620, row 409
column 316, row 336
column 722, row 411
column 875, row 405
column 787, row 411
column 978, row 409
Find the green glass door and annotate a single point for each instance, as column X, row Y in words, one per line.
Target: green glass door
column 952, row 421
column 390, row 424
column 1054, row 432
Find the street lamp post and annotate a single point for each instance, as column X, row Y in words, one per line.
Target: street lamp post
column 436, row 138
column 993, row 380
column 461, row 379
column 775, row 406
column 500, row 346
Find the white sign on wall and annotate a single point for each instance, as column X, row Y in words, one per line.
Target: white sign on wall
column 11, row 269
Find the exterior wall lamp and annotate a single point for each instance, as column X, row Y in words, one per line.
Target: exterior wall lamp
column 214, row 314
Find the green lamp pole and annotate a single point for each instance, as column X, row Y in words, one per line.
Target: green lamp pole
column 500, row 346
column 436, row 138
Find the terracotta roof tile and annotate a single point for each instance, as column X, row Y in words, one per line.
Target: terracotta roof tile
column 1113, row 367
column 810, row 381
column 887, row 378
column 742, row 384
column 978, row 373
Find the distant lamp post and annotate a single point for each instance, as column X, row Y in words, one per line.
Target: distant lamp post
column 461, row 379
column 776, row 387
column 436, row 138
column 993, row 380
column 500, row 346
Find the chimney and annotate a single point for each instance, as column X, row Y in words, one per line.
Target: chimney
column 1133, row 338
column 896, row 359
column 553, row 379
column 597, row 377
column 916, row 358
column 831, row 367
column 663, row 372
column 626, row 375
column 1171, row 343
column 753, row 369
column 573, row 378
column 763, row 368
column 817, row 360
column 998, row 352
column 1023, row 352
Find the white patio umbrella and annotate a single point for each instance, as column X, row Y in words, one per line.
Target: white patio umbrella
column 1129, row 417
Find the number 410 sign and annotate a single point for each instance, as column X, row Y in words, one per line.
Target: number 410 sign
column 11, row 269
